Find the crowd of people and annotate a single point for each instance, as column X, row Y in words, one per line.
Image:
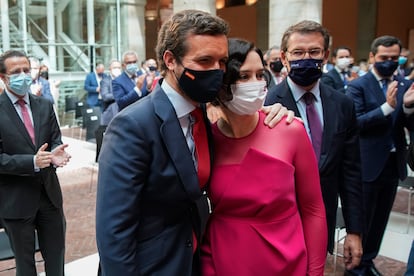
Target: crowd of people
column 217, row 158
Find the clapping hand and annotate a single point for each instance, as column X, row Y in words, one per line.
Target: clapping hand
column 59, row 156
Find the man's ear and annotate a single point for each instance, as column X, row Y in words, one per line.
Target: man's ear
column 326, row 56
column 169, row 60
column 283, row 59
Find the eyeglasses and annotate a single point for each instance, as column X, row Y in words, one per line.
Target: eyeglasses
column 300, row 54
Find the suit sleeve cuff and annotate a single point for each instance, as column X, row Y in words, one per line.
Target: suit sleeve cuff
column 387, row 109
column 139, row 92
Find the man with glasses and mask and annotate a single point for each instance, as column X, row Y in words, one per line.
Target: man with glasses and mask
column 155, row 160
column 384, row 104
column 129, row 86
column 330, row 121
column 30, row 150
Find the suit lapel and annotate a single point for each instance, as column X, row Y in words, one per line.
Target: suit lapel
column 175, row 143
column 329, row 121
column 285, row 97
column 375, row 89
column 10, row 111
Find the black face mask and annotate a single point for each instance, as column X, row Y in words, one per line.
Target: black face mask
column 305, row 72
column 44, row 74
column 152, row 68
column 386, row 68
column 276, row 66
column 201, row 86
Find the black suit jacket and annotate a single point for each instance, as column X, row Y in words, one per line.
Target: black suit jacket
column 20, row 185
column 334, row 80
column 149, row 200
column 339, row 163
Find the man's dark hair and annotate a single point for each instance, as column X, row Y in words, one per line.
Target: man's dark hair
column 175, row 31
column 9, row 54
column 386, row 41
column 335, row 51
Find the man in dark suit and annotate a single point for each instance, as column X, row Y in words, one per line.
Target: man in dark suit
column 92, row 85
column 304, row 50
column 30, row 150
column 151, row 207
column 339, row 77
column 129, row 86
column 384, row 106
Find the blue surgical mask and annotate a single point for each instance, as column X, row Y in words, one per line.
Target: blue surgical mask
column 402, row 60
column 20, row 83
column 132, row 68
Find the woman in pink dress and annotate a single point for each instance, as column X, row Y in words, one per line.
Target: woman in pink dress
column 268, row 215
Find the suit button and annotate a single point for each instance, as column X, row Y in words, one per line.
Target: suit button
column 188, row 243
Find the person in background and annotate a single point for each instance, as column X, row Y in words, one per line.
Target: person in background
column 54, row 87
column 30, row 151
column 153, row 75
column 39, row 86
column 275, row 66
column 339, row 77
column 403, row 69
column 266, row 194
column 151, row 205
column 129, row 86
column 109, row 106
column 92, row 86
column 384, row 104
column 330, row 121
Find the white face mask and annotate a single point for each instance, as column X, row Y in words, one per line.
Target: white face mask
column 116, row 72
column 248, row 97
column 34, row 73
column 343, row 63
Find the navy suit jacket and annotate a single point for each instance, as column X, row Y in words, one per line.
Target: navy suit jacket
column 149, row 201
column 379, row 132
column 339, row 163
column 91, row 83
column 334, row 80
column 20, row 185
column 124, row 93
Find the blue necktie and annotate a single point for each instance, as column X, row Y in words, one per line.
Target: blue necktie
column 344, row 76
column 384, row 83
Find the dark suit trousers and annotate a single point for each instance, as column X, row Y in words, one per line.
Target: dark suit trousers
column 50, row 224
column 378, row 198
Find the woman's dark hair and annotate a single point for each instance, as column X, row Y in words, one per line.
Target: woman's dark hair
column 238, row 50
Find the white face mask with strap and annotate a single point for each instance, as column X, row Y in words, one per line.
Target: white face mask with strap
column 248, row 97
column 343, row 63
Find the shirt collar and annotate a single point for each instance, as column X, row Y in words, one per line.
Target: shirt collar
column 181, row 105
column 14, row 99
column 298, row 91
column 378, row 77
